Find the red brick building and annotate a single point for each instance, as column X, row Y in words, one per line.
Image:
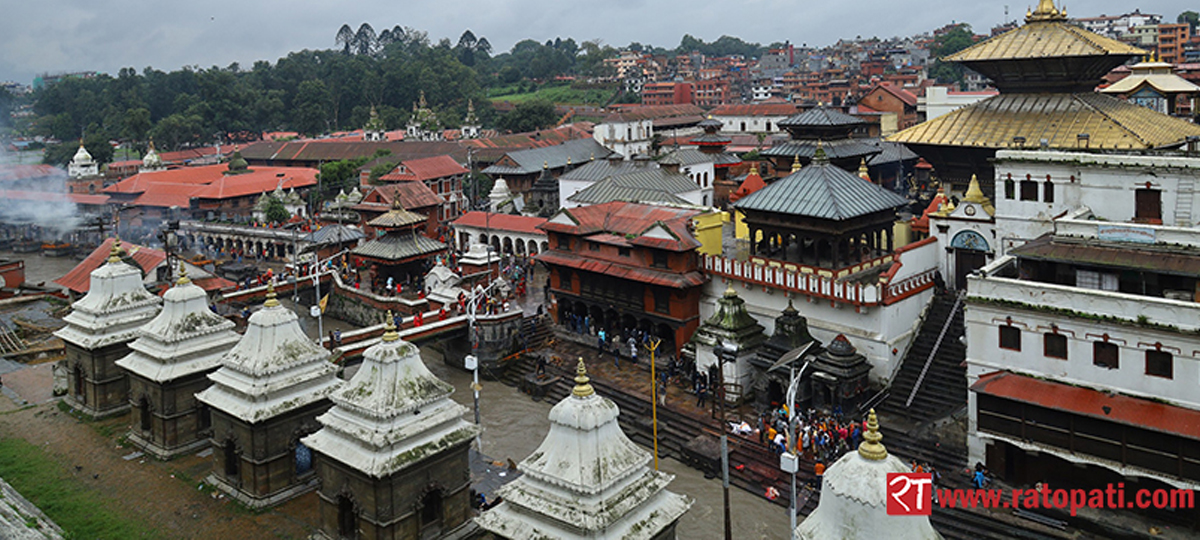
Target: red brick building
column 626, row 266
column 441, row 174
column 668, row 93
column 888, row 98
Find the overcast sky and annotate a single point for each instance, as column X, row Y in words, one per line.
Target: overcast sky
column 39, row 36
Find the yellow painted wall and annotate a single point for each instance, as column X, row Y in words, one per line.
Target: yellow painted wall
column 707, row 229
column 903, row 233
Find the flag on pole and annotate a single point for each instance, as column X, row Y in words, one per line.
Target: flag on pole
column 324, row 302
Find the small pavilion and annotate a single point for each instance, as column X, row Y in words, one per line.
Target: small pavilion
column 1153, row 84
column 403, row 252
column 828, row 128
column 821, row 216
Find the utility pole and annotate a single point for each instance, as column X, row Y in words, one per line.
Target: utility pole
column 723, row 356
column 653, row 346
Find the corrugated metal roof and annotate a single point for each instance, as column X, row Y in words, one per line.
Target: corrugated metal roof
column 599, row 170
column 821, row 116
column 608, row 190
column 686, row 156
column 1043, row 39
column 333, row 234
column 835, row 149
column 1143, row 413
column 821, row 191
column 532, row 161
column 1110, row 123
column 397, row 247
column 891, row 152
column 1174, row 260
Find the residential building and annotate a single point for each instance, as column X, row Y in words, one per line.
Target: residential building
column 1171, row 41
column 753, row 118
column 668, row 93
column 887, row 98
column 441, row 174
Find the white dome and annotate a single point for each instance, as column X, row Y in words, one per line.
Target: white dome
column 82, row 157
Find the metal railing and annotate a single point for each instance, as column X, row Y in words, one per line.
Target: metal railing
column 958, row 299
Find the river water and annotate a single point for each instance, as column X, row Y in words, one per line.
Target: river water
column 514, row 425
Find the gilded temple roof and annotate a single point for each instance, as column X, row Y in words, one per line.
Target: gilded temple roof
column 1110, row 123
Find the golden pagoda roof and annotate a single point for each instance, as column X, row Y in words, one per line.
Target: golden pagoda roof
column 396, row 217
column 1157, row 74
column 1046, row 33
column 1110, row 123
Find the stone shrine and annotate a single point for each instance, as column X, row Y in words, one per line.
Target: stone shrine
column 98, row 331
column 586, row 480
column 169, row 363
column 392, row 455
column 271, row 387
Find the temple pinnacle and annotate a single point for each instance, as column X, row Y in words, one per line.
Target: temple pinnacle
column 871, row 448
column 582, row 387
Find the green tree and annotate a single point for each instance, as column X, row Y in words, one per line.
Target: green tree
column 311, row 115
column 947, row 43
column 1191, row 18
column 136, row 124
column 529, row 116
column 275, row 211
column 179, row 130
column 61, row 154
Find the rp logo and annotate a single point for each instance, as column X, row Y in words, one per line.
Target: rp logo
column 909, row 494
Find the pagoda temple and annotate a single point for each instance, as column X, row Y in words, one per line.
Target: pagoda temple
column 820, row 215
column 1153, row 84
column 730, row 326
column 832, row 128
column 98, row 331
column 266, row 396
column 403, row 252
column 1046, row 71
column 791, row 333
column 854, row 494
column 543, row 196
column 713, row 145
column 586, row 481
column 170, row 363
column 392, row 455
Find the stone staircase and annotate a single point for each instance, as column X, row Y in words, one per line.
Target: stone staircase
column 941, row 382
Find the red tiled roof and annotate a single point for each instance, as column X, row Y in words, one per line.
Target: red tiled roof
column 752, row 183
column 424, row 169
column 653, row 112
column 412, row 195
column 644, row 275
column 259, row 180
column 211, row 182
column 1117, row 408
column 50, row 196
column 167, row 195
column 79, row 279
column 756, row 109
column 624, row 218
column 24, row 172
column 922, row 223
column 502, row 222
column 903, row 95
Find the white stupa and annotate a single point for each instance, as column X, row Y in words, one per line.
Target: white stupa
column 82, row 165
column 272, row 370
column 168, row 364
column 116, row 305
column 392, row 414
column 499, row 194
column 98, row 328
column 854, row 499
column 151, row 161
column 586, row 480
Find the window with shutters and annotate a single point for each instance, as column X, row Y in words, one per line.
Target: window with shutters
column 1106, row 355
column 1054, row 345
column 1160, row 364
column 1010, row 338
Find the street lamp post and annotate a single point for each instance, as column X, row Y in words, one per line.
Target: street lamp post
column 789, row 461
column 724, row 353
column 653, row 346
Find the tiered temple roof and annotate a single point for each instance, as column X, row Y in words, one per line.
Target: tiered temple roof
column 392, row 413
column 275, row 368
column 116, row 305
column 586, row 480
column 185, row 338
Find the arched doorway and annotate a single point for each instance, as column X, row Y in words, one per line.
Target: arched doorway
column 970, row 254
column 347, row 520
column 79, row 382
column 144, row 413
column 232, row 460
column 303, row 459
column 431, row 513
column 533, row 248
